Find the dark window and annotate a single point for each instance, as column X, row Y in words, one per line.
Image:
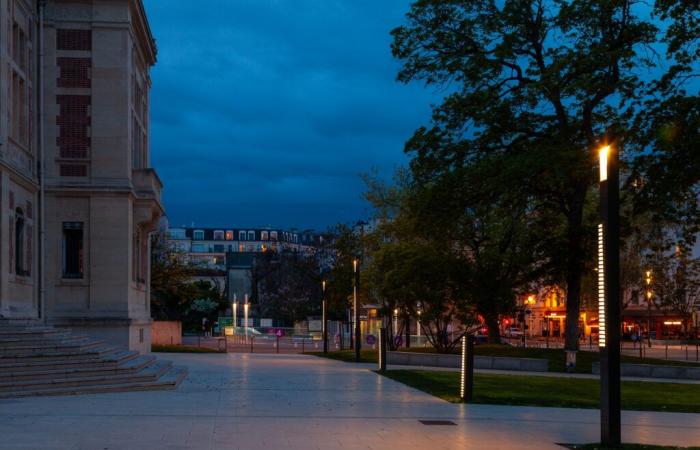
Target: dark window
column 72, row 250
column 73, row 39
column 73, row 170
column 19, row 243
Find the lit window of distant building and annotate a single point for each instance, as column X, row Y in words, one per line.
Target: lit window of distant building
column 251, row 235
column 198, row 235
column 218, row 235
column 241, row 247
column 241, row 235
column 263, row 235
column 229, row 235
column 273, row 235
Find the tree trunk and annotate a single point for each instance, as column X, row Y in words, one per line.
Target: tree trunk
column 574, row 271
column 494, row 331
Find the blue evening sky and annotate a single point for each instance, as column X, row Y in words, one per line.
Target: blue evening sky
column 265, row 112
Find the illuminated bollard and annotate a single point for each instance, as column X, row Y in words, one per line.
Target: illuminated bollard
column 466, row 385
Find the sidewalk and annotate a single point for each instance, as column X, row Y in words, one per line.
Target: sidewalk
column 255, row 402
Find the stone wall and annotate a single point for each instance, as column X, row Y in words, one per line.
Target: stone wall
column 166, row 332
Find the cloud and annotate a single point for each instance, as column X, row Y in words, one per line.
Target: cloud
column 266, row 111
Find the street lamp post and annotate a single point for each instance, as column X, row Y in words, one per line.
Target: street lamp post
column 245, row 312
column 609, row 297
column 356, row 306
column 649, row 295
column 324, row 308
column 235, row 311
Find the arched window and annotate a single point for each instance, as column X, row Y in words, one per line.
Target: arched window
column 19, row 242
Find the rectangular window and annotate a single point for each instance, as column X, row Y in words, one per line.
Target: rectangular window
column 263, row 235
column 73, row 72
column 273, row 235
column 73, row 124
column 229, row 235
column 241, row 235
column 251, row 235
column 73, row 170
column 218, row 248
column 218, row 235
column 72, row 249
column 67, row 39
column 198, row 235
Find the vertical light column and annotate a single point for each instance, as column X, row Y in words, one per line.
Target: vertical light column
column 356, row 306
column 234, row 312
column 466, row 380
column 381, row 361
column 324, row 317
column 245, row 313
column 601, row 285
column 609, row 298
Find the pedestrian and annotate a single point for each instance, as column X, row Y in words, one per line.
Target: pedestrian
column 205, row 321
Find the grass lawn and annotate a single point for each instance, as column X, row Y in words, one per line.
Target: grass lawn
column 552, row 391
column 627, row 447
column 556, row 357
column 366, row 356
column 182, row 349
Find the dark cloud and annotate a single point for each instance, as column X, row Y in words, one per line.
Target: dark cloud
column 265, row 112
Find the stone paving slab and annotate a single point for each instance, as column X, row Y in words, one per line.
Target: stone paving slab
column 241, row 401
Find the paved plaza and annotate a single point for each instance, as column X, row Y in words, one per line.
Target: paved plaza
column 244, row 401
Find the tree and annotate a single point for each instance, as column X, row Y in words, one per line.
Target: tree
column 291, row 291
column 170, row 274
column 539, row 82
column 412, row 276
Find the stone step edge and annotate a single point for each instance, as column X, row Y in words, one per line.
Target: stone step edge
column 112, row 358
column 128, row 367
column 168, row 381
column 157, row 369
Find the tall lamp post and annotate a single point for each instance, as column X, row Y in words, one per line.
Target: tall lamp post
column 649, row 295
column 246, row 305
column 324, row 318
column 356, row 306
column 235, row 309
column 609, row 297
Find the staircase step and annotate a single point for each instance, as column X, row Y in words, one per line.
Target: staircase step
column 149, row 373
column 127, row 367
column 91, row 353
column 41, row 360
column 47, row 344
column 8, row 339
column 169, row 380
column 108, row 360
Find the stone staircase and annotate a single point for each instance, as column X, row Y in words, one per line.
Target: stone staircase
column 40, row 360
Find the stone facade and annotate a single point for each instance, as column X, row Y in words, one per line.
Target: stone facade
column 102, row 199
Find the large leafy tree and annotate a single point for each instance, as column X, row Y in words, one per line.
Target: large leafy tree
column 543, row 83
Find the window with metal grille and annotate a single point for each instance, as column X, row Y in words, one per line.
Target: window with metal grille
column 73, row 170
column 67, row 39
column 74, row 72
column 73, row 122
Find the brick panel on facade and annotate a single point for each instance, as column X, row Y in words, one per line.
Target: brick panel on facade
column 74, row 72
column 73, row 170
column 67, row 39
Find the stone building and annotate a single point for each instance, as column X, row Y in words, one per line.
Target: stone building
column 74, row 77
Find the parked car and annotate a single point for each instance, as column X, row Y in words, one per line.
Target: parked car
column 514, row 332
